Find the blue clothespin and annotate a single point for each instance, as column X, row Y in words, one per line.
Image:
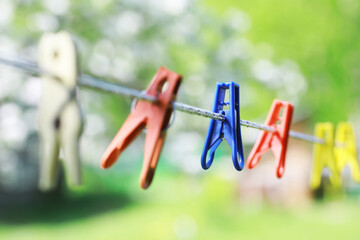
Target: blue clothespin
column 228, row 129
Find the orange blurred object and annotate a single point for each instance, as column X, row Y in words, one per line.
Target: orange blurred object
column 155, row 116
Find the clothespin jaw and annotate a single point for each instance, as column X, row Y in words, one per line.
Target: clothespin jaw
column 154, row 116
column 276, row 140
column 229, row 129
column 324, row 156
column 346, row 152
column 60, row 118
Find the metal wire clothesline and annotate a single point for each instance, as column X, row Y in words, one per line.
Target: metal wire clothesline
column 97, row 83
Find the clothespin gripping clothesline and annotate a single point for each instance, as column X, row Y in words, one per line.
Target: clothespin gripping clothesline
column 93, row 82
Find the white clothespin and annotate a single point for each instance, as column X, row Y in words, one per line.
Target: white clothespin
column 60, row 118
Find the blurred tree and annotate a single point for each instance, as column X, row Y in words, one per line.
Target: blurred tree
column 321, row 37
column 297, row 51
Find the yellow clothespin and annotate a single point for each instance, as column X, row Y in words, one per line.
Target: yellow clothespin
column 324, row 156
column 60, row 119
column 346, row 153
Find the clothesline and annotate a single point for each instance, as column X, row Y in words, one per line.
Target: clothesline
column 97, row 83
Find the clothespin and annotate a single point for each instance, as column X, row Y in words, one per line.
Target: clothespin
column 60, row 118
column 346, row 153
column 228, row 129
column 324, row 156
column 276, row 140
column 155, row 116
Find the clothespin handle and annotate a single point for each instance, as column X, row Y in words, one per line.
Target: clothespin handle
column 345, row 150
column 60, row 118
column 324, row 156
column 277, row 140
column 155, row 116
column 229, row 129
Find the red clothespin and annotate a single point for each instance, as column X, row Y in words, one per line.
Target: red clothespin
column 154, row 116
column 277, row 140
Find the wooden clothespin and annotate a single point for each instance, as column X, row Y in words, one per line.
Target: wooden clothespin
column 324, row 156
column 345, row 150
column 154, row 116
column 60, row 119
column 277, row 140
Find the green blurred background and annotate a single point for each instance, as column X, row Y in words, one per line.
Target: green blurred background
column 305, row 52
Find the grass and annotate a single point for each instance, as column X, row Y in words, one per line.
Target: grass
column 178, row 208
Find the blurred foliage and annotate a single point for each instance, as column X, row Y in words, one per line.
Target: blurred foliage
column 125, row 42
column 301, row 51
column 321, row 37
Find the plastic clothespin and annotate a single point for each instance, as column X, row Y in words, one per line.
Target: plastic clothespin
column 346, row 153
column 277, row 140
column 60, row 118
column 155, row 116
column 324, row 156
column 228, row 129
